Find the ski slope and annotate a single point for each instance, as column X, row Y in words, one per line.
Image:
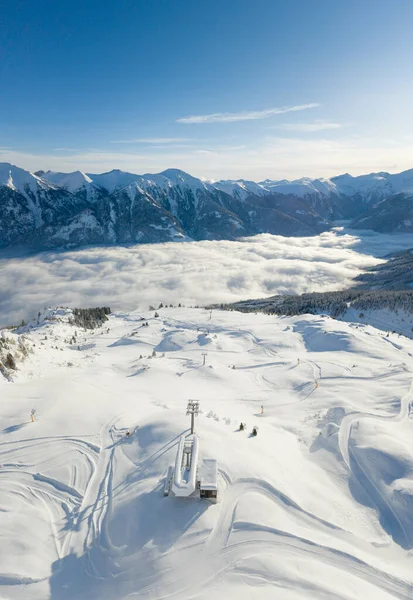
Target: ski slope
column 319, row 505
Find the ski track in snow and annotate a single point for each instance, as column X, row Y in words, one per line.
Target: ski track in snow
column 348, row 455
column 222, row 555
column 106, row 476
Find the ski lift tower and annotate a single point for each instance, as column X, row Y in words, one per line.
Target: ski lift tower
column 188, row 478
column 193, row 410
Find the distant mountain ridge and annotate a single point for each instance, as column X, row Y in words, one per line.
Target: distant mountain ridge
column 49, row 209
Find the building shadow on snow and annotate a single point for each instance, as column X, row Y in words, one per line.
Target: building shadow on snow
column 126, row 556
column 140, row 526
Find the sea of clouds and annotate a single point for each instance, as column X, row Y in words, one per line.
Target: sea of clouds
column 193, row 273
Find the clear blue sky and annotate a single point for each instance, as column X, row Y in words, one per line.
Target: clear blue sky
column 98, row 85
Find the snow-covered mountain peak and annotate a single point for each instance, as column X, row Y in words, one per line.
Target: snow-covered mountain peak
column 113, row 180
column 49, row 209
column 402, row 182
column 175, row 177
column 18, row 179
column 370, row 185
column 300, row 187
column 70, row 181
column 266, row 182
column 240, row 188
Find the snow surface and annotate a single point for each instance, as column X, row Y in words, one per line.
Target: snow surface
column 240, row 188
column 372, row 186
column 113, row 180
column 20, row 180
column 70, row 181
column 301, row 187
column 318, row 505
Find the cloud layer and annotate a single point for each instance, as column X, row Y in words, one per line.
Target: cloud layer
column 245, row 116
column 190, row 273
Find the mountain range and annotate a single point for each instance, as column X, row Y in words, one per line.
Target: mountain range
column 48, row 209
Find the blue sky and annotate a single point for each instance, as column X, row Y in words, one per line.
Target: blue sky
column 229, row 88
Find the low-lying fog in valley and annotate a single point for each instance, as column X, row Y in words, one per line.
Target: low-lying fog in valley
column 191, row 272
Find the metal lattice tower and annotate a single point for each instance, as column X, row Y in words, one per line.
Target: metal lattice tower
column 193, row 410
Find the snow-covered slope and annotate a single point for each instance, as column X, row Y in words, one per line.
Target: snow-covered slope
column 375, row 186
column 402, row 182
column 21, row 181
column 71, row 181
column 28, row 203
column 116, row 179
column 113, row 180
column 318, row 505
column 241, row 188
column 301, row 187
column 372, row 187
column 77, row 183
column 175, row 177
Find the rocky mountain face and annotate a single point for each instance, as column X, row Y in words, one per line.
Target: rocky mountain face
column 392, row 214
column 49, row 209
column 394, row 274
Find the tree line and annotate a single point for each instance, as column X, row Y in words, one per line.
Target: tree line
column 333, row 303
column 89, row 318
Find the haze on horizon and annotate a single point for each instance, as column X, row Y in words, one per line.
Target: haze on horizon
column 224, row 90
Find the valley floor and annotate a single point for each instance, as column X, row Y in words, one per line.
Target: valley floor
column 318, row 505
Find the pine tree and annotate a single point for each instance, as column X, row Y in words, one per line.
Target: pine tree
column 10, row 362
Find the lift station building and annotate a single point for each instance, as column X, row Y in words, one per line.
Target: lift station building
column 207, row 479
column 191, row 476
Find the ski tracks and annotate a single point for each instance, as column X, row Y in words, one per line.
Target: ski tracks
column 90, row 528
column 260, row 538
column 232, row 542
column 59, row 502
column 347, row 454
